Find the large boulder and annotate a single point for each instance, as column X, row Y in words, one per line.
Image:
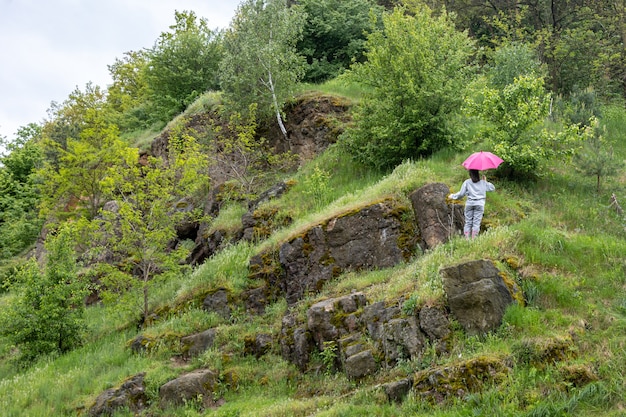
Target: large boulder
column 477, row 295
column 361, row 365
column 130, row 395
column 199, row 385
column 195, row 344
column 376, row 236
column 437, row 220
column 217, row 302
column 437, row 384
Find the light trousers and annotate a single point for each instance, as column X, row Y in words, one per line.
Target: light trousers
column 473, row 218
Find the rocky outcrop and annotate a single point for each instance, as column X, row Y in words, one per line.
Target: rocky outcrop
column 313, row 122
column 477, row 295
column 402, row 339
column 197, row 386
column 365, row 336
column 437, row 220
column 375, row 236
column 130, row 395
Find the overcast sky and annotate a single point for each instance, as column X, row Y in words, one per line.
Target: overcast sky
column 50, row 47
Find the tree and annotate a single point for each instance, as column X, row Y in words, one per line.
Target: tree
column 182, row 65
column 46, row 317
column 81, row 165
column 150, row 200
column 66, row 120
column 261, row 64
column 596, row 156
column 128, row 96
column 416, row 71
column 514, row 128
column 334, row 35
column 19, row 196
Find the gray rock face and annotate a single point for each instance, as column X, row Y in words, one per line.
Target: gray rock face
column 397, row 390
column 198, row 385
column 436, row 219
column 477, row 295
column 374, row 237
column 196, row 344
column 330, row 319
column 375, row 316
column 402, row 339
column 295, row 342
column 434, row 323
column 217, row 303
column 131, row 394
column 360, row 365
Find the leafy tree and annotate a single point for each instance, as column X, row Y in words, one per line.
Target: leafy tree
column 512, row 60
column 182, row 65
column 150, row 200
column 81, row 165
column 128, row 96
column 334, row 35
column 261, row 64
column 19, row 196
column 46, row 316
column 66, row 120
column 515, row 118
column 596, row 157
column 415, row 75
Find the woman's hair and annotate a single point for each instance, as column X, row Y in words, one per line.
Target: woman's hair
column 474, row 175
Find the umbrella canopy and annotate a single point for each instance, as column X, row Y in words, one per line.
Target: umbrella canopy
column 482, row 160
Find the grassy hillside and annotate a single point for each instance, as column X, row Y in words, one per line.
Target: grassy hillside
column 562, row 243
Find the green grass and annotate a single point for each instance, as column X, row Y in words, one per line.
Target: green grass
column 567, row 243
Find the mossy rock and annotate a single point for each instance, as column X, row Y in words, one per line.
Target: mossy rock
column 457, row 380
column 543, row 352
column 578, row 375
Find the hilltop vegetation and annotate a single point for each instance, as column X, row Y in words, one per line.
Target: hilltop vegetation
column 142, row 176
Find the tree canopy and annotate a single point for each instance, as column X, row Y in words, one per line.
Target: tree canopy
column 416, row 70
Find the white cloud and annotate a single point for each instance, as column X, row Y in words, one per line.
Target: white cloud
column 49, row 48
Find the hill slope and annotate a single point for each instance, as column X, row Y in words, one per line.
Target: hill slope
column 561, row 353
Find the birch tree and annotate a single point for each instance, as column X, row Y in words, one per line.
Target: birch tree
column 261, row 64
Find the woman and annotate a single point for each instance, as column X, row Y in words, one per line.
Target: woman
column 476, row 191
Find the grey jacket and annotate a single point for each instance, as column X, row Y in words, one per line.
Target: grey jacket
column 476, row 192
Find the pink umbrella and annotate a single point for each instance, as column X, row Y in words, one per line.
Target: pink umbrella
column 482, row 160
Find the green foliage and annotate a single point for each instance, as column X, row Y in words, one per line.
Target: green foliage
column 329, row 355
column 261, row 64
column 596, row 157
column 334, row 35
column 128, row 95
column 515, row 129
column 47, row 315
column 183, row 64
column 415, row 74
column 82, row 163
column 19, row 197
column 317, row 186
column 251, row 162
column 511, row 61
column 579, row 108
column 151, row 202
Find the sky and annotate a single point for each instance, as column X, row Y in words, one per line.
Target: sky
column 48, row 48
